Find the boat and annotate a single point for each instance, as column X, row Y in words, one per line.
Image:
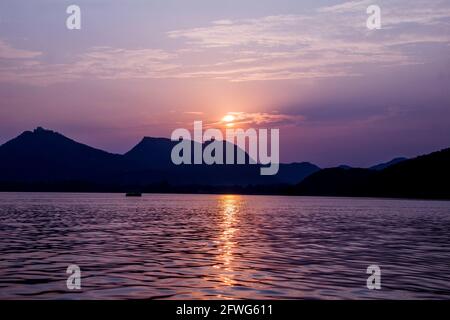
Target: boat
column 134, row 194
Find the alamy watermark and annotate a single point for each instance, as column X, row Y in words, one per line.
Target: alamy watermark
column 374, row 280
column 73, row 22
column 374, row 20
column 74, row 280
column 221, row 150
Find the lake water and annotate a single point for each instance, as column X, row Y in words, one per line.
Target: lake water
column 225, row 247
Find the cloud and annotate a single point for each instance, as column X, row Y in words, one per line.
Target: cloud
column 9, row 52
column 345, row 21
column 193, row 112
column 325, row 42
column 112, row 63
column 422, row 12
column 98, row 63
column 261, row 119
column 266, row 31
column 222, row 22
column 349, row 6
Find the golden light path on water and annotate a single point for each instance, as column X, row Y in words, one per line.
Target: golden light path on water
column 229, row 210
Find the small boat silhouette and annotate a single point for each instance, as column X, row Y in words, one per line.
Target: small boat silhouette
column 134, row 194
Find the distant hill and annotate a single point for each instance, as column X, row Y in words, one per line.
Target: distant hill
column 377, row 167
column 382, row 166
column 46, row 160
column 294, row 173
column 426, row 176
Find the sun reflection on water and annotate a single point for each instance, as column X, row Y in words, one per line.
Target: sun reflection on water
column 229, row 210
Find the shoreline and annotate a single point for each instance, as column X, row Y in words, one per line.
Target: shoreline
column 235, row 194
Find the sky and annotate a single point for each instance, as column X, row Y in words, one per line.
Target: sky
column 339, row 92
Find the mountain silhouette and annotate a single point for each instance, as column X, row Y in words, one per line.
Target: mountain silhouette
column 154, row 152
column 46, row 160
column 43, row 155
column 385, row 165
column 293, row 173
column 379, row 166
column 425, row 177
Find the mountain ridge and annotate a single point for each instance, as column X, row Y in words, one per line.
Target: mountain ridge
column 45, row 160
column 425, row 177
column 47, row 157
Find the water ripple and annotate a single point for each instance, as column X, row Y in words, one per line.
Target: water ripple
column 226, row 247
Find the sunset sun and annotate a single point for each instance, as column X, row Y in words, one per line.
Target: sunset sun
column 228, row 118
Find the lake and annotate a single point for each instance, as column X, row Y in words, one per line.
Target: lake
column 222, row 247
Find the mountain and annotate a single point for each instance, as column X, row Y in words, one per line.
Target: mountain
column 152, row 163
column 335, row 182
column 154, row 154
column 426, row 176
column 46, row 160
column 382, row 166
column 46, row 156
column 377, row 167
column 294, row 173
column 152, row 151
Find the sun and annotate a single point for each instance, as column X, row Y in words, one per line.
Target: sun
column 228, row 118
